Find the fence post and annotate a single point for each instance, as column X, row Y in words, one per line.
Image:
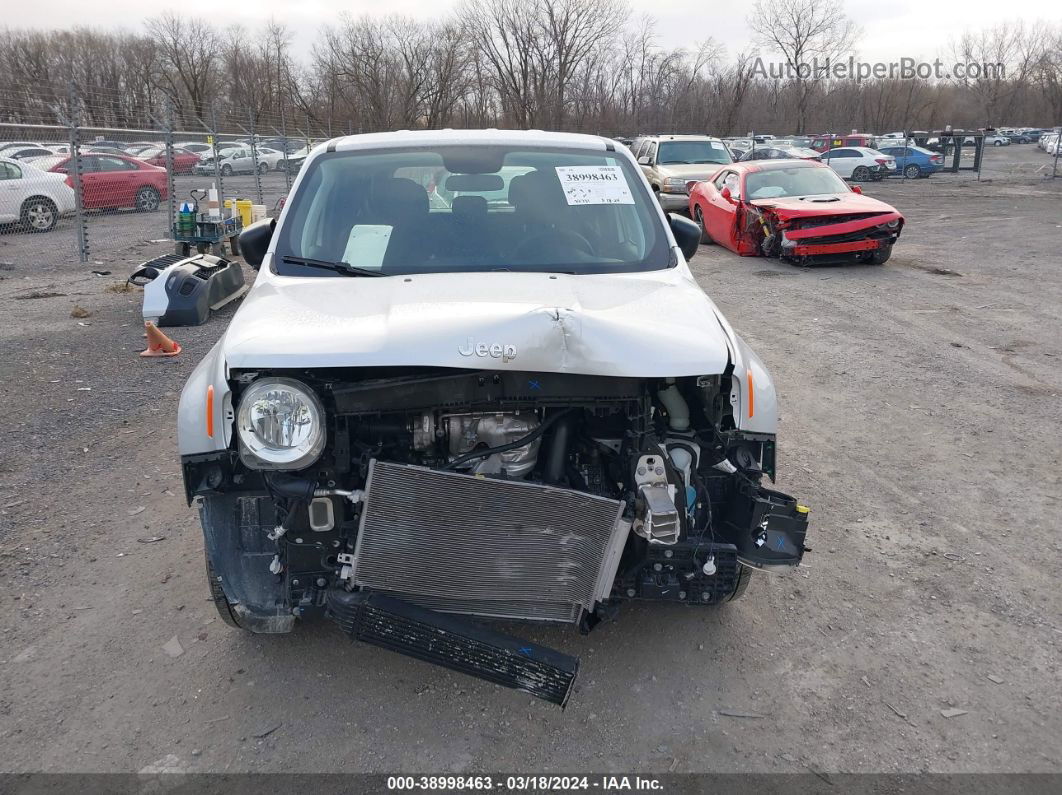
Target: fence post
column 77, row 171
column 1058, row 151
column 170, row 185
column 254, row 159
column 214, row 144
column 284, row 137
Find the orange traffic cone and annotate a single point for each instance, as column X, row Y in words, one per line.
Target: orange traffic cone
column 158, row 343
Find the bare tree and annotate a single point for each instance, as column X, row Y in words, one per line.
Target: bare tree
column 563, row 64
column 808, row 34
column 188, row 54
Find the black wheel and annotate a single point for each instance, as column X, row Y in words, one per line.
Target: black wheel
column 147, row 199
column 218, row 595
column 861, row 174
column 744, row 576
column 39, row 214
column 879, row 256
column 226, row 170
column 912, row 171
column 999, row 143
column 263, row 168
column 698, row 216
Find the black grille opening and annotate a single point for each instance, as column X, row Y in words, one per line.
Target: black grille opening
column 454, row 643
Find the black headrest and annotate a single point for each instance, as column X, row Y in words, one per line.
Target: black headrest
column 536, row 191
column 400, row 197
column 469, row 206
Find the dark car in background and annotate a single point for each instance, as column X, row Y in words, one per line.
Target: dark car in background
column 184, row 161
column 782, row 152
column 821, row 143
column 27, row 152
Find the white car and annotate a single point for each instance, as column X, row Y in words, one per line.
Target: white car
column 997, row 140
column 31, row 197
column 1051, row 145
column 6, row 146
column 513, row 407
column 239, row 160
column 859, row 163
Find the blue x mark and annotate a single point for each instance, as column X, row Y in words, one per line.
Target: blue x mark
column 534, row 385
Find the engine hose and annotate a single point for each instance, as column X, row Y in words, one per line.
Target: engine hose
column 504, row 448
column 556, row 461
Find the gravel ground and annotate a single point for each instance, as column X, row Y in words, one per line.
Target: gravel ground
column 920, row 420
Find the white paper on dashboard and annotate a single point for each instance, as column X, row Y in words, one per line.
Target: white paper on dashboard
column 367, row 245
column 594, row 185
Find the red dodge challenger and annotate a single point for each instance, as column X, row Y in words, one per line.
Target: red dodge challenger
column 799, row 210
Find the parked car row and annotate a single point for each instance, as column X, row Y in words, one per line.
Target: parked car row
column 36, row 192
column 1048, row 141
column 36, row 180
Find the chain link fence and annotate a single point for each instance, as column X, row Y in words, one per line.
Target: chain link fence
column 105, row 196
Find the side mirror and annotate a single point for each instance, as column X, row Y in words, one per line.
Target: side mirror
column 687, row 234
column 857, row 189
column 645, row 160
column 254, row 241
column 725, row 193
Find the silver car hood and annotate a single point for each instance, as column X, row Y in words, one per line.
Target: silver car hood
column 653, row 324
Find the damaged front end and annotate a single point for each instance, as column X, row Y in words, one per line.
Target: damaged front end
column 805, row 239
column 415, row 496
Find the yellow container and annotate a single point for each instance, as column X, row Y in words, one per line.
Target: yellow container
column 243, row 207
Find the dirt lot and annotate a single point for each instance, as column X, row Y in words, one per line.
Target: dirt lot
column 921, row 421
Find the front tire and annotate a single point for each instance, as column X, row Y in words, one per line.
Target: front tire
column 226, row 170
column 39, row 214
column 879, row 256
column 744, row 577
column 147, row 199
column 860, row 174
column 263, row 168
column 221, row 603
column 698, row 216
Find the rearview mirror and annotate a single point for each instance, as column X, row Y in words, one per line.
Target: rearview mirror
column 725, row 193
column 687, row 234
column 645, row 160
column 857, row 189
column 474, row 183
column 254, row 241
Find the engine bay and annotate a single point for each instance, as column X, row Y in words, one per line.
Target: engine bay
column 587, row 490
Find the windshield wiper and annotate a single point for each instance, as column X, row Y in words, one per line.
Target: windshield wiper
column 339, row 267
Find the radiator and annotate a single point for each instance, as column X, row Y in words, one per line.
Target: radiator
column 505, row 549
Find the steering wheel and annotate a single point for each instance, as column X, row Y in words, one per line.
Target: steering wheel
column 556, row 239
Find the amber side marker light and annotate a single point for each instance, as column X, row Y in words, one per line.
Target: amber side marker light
column 210, row 411
column 752, row 402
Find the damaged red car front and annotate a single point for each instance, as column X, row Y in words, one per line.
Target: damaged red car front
column 800, row 211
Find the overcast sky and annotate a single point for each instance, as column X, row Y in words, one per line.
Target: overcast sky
column 891, row 28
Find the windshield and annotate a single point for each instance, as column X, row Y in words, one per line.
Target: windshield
column 796, row 181
column 472, row 208
column 691, row 152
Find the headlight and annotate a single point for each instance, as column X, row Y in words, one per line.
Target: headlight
column 675, row 185
column 895, row 222
column 279, row 424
